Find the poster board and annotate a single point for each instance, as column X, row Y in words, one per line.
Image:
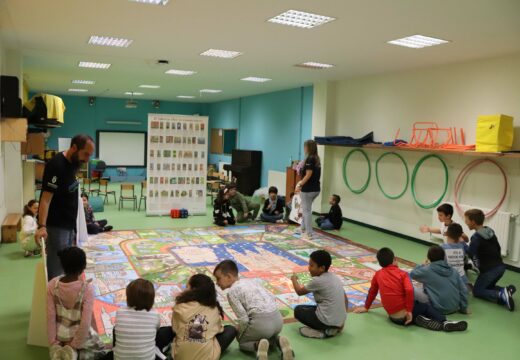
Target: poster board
column 177, row 163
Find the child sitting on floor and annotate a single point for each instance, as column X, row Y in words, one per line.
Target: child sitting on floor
column 29, row 227
column 334, row 218
column 456, row 250
column 444, row 214
column 273, row 207
column 69, row 310
column 259, row 320
column 93, row 226
column 222, row 211
column 485, row 251
column 443, row 287
column 328, row 317
column 397, row 297
column 197, row 321
column 137, row 332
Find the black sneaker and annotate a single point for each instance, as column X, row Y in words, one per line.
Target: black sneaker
column 108, row 228
column 511, row 289
column 450, row 326
column 429, row 324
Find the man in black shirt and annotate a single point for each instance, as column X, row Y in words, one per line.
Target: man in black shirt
column 59, row 200
column 334, row 219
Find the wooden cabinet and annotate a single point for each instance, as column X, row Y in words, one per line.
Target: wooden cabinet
column 291, row 179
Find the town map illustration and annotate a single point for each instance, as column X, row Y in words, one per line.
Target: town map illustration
column 269, row 254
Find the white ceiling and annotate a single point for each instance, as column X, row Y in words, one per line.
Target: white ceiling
column 53, row 35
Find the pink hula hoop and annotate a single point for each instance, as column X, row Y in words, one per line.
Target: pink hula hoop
column 464, row 173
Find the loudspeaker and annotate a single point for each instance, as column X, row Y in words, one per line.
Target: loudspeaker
column 11, row 105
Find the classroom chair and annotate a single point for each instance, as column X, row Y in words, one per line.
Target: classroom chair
column 103, row 190
column 87, row 186
column 127, row 194
column 213, row 190
column 143, row 195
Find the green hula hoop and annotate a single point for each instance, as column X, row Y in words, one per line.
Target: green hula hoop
column 392, row 197
column 345, row 179
column 414, row 176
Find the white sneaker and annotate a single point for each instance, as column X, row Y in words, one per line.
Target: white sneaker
column 311, row 333
column 262, row 350
column 69, row 353
column 285, row 348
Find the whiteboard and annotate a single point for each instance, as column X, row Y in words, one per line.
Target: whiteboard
column 121, row 148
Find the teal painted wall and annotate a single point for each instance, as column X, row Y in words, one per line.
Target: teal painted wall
column 276, row 123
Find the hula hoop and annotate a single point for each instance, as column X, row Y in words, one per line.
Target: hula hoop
column 392, row 197
column 464, row 173
column 414, row 176
column 345, row 179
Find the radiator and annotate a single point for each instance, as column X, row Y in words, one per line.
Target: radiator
column 502, row 223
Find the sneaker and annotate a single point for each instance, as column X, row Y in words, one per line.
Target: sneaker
column 285, row 348
column 508, row 297
column 511, row 289
column 450, row 326
column 262, row 350
column 330, row 332
column 429, row 324
column 311, row 333
column 27, row 254
column 108, row 228
column 279, row 221
column 69, row 353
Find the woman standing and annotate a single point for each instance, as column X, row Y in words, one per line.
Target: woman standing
column 309, row 186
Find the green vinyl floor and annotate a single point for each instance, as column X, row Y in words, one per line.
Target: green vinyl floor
column 494, row 332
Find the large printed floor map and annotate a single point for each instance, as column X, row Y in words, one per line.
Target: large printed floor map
column 269, row 254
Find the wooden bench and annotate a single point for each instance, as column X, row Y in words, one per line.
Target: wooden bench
column 12, row 223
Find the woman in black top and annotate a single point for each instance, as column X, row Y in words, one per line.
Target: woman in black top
column 309, row 186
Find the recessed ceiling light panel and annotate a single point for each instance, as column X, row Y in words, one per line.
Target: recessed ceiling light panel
column 94, row 65
column 210, row 91
column 301, row 19
column 418, row 42
column 83, row 82
column 314, row 65
column 151, row 2
column 186, row 97
column 109, row 41
column 134, row 93
column 255, row 79
column 78, row 90
column 149, row 86
column 180, row 72
column 224, row 54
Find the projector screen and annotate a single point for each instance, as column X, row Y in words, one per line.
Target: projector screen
column 121, row 148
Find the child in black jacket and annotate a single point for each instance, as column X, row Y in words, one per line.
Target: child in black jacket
column 222, row 212
column 273, row 207
column 334, row 219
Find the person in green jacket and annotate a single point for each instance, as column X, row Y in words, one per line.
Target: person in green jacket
column 246, row 210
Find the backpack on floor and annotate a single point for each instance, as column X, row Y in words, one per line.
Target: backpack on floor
column 175, row 213
column 184, row 213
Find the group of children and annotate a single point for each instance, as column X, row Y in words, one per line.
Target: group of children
column 197, row 331
column 274, row 210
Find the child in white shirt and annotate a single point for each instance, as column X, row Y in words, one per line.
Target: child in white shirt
column 29, row 227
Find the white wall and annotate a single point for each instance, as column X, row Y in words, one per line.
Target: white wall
column 451, row 95
column 3, row 209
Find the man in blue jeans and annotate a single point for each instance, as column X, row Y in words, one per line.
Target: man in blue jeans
column 59, row 200
column 485, row 251
column 334, row 219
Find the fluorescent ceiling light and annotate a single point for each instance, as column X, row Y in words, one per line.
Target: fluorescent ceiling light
column 109, row 41
column 210, row 91
column 417, row 41
column 149, row 86
column 151, row 2
column 255, row 79
column 93, row 65
column 300, row 19
column 78, row 90
column 314, row 65
column 83, row 82
column 134, row 93
column 180, row 72
column 186, row 97
column 225, row 54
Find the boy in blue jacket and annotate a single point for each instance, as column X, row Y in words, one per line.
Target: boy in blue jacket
column 444, row 288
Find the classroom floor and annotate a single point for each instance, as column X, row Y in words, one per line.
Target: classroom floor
column 493, row 331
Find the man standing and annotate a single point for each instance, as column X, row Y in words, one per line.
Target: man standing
column 59, row 200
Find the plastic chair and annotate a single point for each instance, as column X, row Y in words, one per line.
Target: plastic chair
column 125, row 195
column 143, row 195
column 103, row 190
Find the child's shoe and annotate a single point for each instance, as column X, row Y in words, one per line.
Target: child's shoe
column 262, row 350
column 69, row 353
column 511, row 289
column 450, row 326
column 28, row 254
column 311, row 333
column 429, row 324
column 285, row 348
column 506, row 296
column 108, row 228
column 331, row 332
column 55, row 352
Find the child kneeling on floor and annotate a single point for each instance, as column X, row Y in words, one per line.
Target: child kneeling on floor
column 397, row 297
column 137, row 332
column 29, row 227
column 259, row 320
column 197, row 321
column 222, row 211
column 328, row 317
column 273, row 207
column 334, row 218
column 69, row 311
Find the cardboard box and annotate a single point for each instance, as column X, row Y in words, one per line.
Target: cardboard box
column 10, row 226
column 35, row 145
column 13, row 129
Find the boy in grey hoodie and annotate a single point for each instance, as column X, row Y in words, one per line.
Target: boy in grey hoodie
column 443, row 285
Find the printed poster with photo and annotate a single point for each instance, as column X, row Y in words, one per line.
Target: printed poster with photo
column 177, row 163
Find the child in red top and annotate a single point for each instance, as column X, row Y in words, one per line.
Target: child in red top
column 397, row 298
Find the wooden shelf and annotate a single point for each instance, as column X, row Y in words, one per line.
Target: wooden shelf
column 433, row 151
column 13, row 129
